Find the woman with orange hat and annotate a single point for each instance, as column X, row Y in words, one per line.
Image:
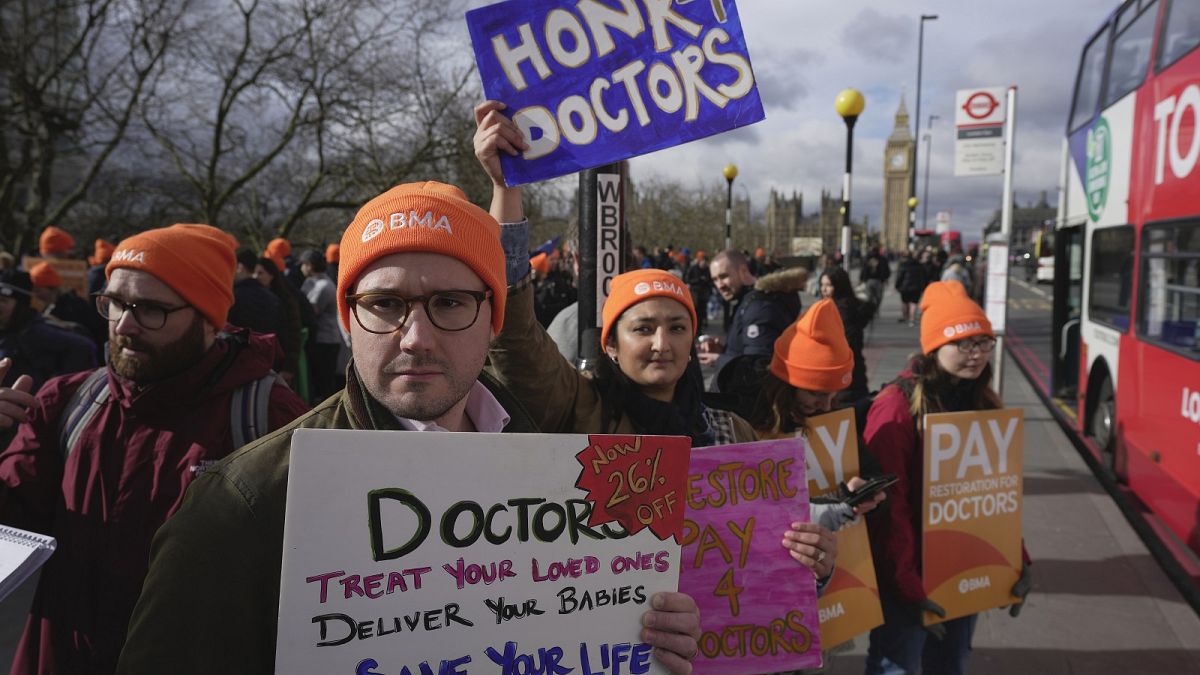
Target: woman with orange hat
column 649, row 381
column 811, row 365
column 952, row 374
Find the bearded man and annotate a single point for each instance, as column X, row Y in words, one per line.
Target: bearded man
column 101, row 458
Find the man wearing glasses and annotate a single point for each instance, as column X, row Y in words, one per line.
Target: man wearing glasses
column 101, row 458
column 421, row 289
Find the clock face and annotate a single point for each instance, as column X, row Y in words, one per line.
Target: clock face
column 897, row 160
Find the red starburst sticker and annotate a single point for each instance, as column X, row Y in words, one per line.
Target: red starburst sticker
column 637, row 481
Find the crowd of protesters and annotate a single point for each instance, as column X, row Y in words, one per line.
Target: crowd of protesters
column 148, row 427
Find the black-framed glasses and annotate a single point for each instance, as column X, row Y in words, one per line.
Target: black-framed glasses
column 984, row 344
column 148, row 315
column 383, row 312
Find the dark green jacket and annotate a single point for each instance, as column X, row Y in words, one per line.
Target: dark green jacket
column 211, row 600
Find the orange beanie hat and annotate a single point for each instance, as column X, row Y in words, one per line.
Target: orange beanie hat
column 45, row 276
column 813, row 353
column 540, row 263
column 948, row 315
column 630, row 288
column 427, row 217
column 277, row 250
column 196, row 261
column 54, row 240
column 333, row 253
column 279, row 247
column 101, row 252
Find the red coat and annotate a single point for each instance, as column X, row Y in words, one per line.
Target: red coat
column 125, row 477
column 891, row 436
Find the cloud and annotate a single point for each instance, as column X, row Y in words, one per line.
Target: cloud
column 783, row 76
column 877, row 36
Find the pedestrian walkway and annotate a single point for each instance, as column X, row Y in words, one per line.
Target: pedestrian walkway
column 1100, row 603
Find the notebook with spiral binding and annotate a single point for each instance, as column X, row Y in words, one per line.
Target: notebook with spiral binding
column 21, row 553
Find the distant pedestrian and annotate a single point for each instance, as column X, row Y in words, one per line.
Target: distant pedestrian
column 956, row 270
column 55, row 242
column 333, row 256
column 855, row 315
column 254, row 306
column 323, row 347
column 292, row 337
column 910, row 282
column 101, row 253
column 699, row 282
column 35, row 347
column 875, row 273
column 64, row 307
column 761, row 312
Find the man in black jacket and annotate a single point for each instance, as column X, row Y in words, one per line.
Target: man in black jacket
column 254, row 306
column 760, row 314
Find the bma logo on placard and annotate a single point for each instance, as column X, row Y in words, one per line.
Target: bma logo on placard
column 1099, row 166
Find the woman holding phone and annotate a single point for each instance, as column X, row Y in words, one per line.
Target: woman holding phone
column 648, row 382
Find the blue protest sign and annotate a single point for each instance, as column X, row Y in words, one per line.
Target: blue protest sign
column 591, row 82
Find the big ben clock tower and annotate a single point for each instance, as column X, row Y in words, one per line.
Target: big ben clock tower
column 897, row 177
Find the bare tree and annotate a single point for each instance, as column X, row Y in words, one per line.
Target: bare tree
column 298, row 106
column 72, row 75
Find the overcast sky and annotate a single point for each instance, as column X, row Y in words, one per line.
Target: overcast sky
column 806, row 51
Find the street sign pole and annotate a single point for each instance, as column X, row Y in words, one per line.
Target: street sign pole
column 601, row 252
column 1006, row 215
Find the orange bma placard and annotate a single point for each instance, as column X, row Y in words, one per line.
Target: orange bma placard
column 971, row 509
column 850, row 604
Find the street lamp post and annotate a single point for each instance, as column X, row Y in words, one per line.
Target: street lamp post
column 849, row 104
column 730, row 172
column 912, row 184
column 912, row 230
column 925, row 196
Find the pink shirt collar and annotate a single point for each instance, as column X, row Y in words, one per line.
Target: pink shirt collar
column 484, row 411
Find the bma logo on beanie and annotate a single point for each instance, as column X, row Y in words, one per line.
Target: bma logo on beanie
column 643, row 288
column 400, row 219
column 960, row 328
column 426, row 217
column 129, row 255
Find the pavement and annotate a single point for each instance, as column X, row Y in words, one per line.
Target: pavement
column 1100, row 602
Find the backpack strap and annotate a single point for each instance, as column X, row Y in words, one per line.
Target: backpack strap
column 81, row 409
column 249, row 409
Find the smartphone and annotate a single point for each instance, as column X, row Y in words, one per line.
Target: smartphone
column 873, row 485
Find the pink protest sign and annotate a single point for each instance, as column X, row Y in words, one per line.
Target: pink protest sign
column 758, row 606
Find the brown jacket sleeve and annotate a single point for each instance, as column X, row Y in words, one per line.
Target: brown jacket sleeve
column 526, row 361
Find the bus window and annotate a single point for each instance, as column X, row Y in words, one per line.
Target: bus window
column 1170, row 313
column 1131, row 51
column 1091, row 76
column 1181, row 33
column 1112, row 276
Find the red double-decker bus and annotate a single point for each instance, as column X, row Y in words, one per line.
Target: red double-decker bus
column 1127, row 256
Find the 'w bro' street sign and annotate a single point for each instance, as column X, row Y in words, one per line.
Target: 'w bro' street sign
column 591, row 82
